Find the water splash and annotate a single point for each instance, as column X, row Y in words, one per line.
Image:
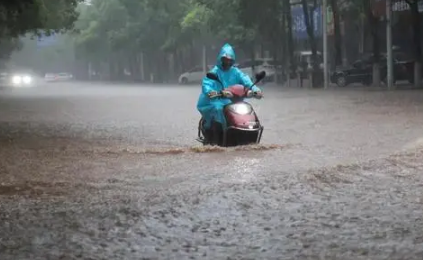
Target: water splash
column 195, row 149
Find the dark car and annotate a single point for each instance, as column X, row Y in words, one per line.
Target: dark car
column 361, row 71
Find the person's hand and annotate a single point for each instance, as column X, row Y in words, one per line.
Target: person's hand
column 212, row 94
column 227, row 94
column 258, row 94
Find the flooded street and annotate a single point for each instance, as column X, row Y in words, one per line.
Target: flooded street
column 114, row 172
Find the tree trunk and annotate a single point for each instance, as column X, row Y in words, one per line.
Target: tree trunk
column 290, row 39
column 415, row 16
column 337, row 29
column 193, row 56
column 131, row 61
column 373, row 23
column 309, row 22
column 179, row 61
column 142, row 67
column 204, row 58
column 362, row 33
column 136, row 65
column 280, row 53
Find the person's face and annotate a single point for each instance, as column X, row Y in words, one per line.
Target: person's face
column 227, row 63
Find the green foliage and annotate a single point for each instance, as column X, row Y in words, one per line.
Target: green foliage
column 221, row 19
column 197, row 18
column 20, row 17
column 126, row 28
column 158, row 25
column 33, row 16
column 130, row 25
column 7, row 46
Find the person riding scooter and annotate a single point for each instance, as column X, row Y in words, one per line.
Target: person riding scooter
column 211, row 107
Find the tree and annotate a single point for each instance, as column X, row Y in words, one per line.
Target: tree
column 118, row 34
column 416, row 23
column 267, row 20
column 122, row 34
column 338, row 37
column 7, row 46
column 246, row 24
column 309, row 22
column 290, row 38
column 223, row 22
column 195, row 23
column 33, row 16
column 20, row 17
column 364, row 9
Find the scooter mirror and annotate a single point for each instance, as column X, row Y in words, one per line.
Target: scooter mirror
column 212, row 76
column 260, row 76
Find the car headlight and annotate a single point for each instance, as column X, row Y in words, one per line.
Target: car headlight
column 241, row 109
column 16, row 79
column 27, row 79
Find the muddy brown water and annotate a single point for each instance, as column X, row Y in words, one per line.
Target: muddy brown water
column 338, row 176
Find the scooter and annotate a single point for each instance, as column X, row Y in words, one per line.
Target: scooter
column 242, row 124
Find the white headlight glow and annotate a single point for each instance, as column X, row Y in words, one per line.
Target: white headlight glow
column 241, row 109
column 16, row 80
column 27, row 79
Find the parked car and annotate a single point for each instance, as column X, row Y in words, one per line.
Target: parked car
column 267, row 65
column 194, row 75
column 57, row 77
column 361, row 71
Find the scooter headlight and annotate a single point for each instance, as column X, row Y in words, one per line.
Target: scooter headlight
column 241, row 109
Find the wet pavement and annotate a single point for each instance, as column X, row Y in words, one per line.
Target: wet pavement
column 114, row 172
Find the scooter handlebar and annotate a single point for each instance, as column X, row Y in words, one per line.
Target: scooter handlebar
column 220, row 94
column 253, row 94
column 214, row 95
column 249, row 94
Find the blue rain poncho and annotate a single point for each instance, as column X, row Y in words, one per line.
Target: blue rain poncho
column 212, row 109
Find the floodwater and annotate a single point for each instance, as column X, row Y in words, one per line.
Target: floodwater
column 114, row 172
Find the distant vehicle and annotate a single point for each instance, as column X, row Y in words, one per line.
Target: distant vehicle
column 304, row 63
column 361, row 71
column 3, row 77
column 194, row 75
column 57, row 77
column 18, row 79
column 267, row 65
column 306, row 57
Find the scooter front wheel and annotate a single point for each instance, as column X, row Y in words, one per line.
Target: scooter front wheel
column 204, row 136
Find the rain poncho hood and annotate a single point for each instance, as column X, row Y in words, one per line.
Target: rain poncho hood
column 212, row 109
column 226, row 51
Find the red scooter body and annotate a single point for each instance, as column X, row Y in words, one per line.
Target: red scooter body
column 247, row 120
column 242, row 124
